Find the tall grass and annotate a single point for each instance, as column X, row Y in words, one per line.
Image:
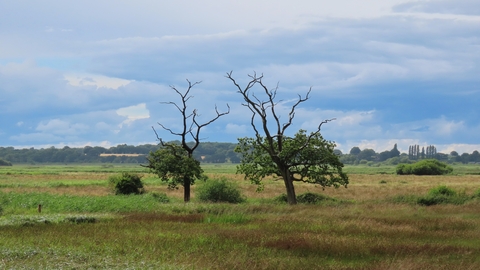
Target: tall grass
column 276, row 237
column 83, row 226
column 24, row 203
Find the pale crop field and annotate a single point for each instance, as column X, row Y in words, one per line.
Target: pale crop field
column 375, row 223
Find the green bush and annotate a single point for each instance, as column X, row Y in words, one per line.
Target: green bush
column 282, row 198
column 160, row 197
column 442, row 195
column 442, row 190
column 312, row 198
column 126, row 183
column 305, row 198
column 476, row 194
column 219, row 190
column 424, row 167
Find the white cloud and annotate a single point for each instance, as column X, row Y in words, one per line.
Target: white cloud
column 95, row 80
column 133, row 113
column 60, row 127
column 384, row 75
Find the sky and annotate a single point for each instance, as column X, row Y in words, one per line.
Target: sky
column 98, row 73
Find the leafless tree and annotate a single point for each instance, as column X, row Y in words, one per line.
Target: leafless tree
column 190, row 132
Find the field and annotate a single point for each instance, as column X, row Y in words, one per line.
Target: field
column 375, row 223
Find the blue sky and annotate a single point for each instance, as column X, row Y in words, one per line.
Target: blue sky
column 96, row 72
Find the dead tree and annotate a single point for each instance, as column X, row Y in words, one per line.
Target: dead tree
column 190, row 129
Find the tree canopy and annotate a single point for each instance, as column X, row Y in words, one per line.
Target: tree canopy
column 307, row 158
column 173, row 165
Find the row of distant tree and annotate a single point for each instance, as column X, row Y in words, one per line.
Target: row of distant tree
column 213, row 152
column 415, row 152
column 207, row 152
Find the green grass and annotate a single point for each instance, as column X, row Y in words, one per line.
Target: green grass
column 274, row 237
column 376, row 223
column 27, row 203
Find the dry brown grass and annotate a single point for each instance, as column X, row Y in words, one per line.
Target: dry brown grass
column 363, row 187
column 371, row 233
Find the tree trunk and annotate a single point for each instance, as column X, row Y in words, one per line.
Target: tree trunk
column 186, row 189
column 291, row 197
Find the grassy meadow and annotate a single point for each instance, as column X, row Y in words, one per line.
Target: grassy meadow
column 375, row 223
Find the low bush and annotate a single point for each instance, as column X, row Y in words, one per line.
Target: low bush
column 282, row 198
column 81, row 219
column 442, row 195
column 476, row 194
column 126, row 183
column 424, row 167
column 305, row 198
column 442, row 191
column 312, row 198
column 160, row 197
column 219, row 190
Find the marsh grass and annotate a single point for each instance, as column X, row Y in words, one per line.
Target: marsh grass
column 27, row 203
column 371, row 231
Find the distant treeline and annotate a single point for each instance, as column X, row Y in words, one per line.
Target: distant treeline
column 206, row 152
column 213, row 152
column 415, row 153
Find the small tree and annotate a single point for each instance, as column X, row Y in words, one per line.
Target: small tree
column 178, row 163
column 304, row 157
column 173, row 165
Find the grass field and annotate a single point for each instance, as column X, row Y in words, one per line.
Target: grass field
column 368, row 225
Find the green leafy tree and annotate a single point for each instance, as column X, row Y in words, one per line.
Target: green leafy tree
column 367, row 154
column 394, row 152
column 175, row 166
column 355, row 150
column 178, row 163
column 475, row 156
column 305, row 157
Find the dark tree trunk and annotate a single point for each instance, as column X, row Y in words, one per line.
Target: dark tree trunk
column 186, row 189
column 291, row 197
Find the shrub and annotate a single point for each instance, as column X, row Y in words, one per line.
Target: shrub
column 126, row 184
column 442, row 190
column 81, row 219
column 424, row 167
column 311, row 198
column 219, row 190
column 476, row 194
column 282, row 198
column 305, row 198
column 442, row 195
column 160, row 197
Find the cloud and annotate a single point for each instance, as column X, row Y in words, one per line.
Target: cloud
column 95, row 80
column 133, row 113
column 59, row 127
column 410, row 75
column 466, row 7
